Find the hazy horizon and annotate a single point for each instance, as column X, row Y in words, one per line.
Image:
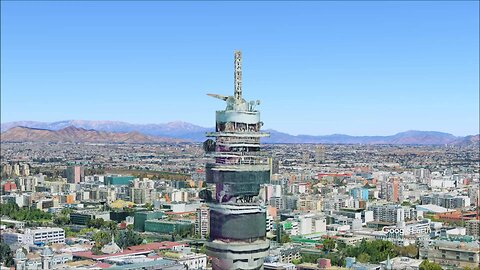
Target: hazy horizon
column 264, row 128
column 356, row 68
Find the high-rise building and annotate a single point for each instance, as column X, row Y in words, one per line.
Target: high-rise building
column 202, row 222
column 390, row 190
column 75, row 174
column 320, row 154
column 16, row 169
column 142, row 191
column 25, row 169
column 237, row 219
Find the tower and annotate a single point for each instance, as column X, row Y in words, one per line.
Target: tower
column 237, row 218
column 20, row 260
column 47, row 258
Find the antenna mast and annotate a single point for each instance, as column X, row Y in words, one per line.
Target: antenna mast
column 238, row 75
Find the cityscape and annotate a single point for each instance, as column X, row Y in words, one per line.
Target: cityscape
column 239, row 193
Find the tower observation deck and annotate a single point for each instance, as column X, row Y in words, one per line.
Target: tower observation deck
column 237, row 219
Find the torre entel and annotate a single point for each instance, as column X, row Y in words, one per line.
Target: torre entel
column 237, row 218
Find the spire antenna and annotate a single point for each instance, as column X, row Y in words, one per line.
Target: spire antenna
column 238, row 75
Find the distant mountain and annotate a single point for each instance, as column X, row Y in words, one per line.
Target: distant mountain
column 408, row 137
column 468, row 140
column 191, row 132
column 74, row 134
column 177, row 129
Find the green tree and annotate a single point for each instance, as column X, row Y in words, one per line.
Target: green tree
column 363, row 258
column 61, row 220
column 203, row 249
column 24, row 214
column 6, row 255
column 378, row 250
column 426, row 265
column 69, row 232
column 96, row 223
column 66, row 211
column 296, row 261
column 285, row 238
column 328, row 244
column 101, row 238
column 149, row 206
column 110, row 225
column 408, row 251
column 127, row 238
column 310, row 258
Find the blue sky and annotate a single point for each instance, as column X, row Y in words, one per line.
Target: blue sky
column 359, row 68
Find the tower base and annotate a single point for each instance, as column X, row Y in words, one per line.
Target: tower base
column 237, row 255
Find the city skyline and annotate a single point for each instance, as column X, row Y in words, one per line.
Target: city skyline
column 394, row 66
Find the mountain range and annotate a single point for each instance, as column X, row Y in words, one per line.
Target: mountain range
column 102, row 131
column 74, row 134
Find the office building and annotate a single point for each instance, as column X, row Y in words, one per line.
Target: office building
column 75, row 174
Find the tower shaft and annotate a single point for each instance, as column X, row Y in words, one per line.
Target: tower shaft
column 238, row 75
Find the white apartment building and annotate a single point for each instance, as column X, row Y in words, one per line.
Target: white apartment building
column 202, row 222
column 32, row 236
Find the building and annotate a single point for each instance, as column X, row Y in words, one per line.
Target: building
column 75, row 174
column 309, row 203
column 185, row 256
column 237, row 222
column 35, row 236
column 285, row 254
column 446, row 200
column 390, row 213
column 359, row 193
column 118, row 180
column 279, row 266
column 473, row 228
column 82, row 217
column 401, row 263
column 202, row 222
column 45, row 259
column 179, row 227
column 457, row 253
column 142, row 191
column 29, row 183
column 390, row 190
column 141, row 217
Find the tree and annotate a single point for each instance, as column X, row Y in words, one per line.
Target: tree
column 149, row 206
column 128, row 238
column 23, row 214
column 363, row 258
column 285, row 238
column 296, row 261
column 61, row 220
column 408, row 251
column 101, row 238
column 378, row 250
column 328, row 244
column 426, row 265
column 406, row 203
column 111, row 225
column 310, row 258
column 6, row 256
column 66, row 211
column 96, row 223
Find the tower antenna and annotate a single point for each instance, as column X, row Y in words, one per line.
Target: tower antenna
column 238, row 75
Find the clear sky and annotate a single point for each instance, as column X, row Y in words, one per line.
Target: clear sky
column 358, row 68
